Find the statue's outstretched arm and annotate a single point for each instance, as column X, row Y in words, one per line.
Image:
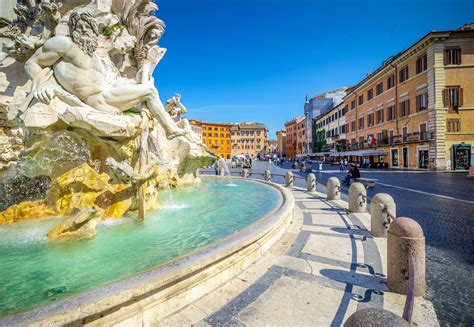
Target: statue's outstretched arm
column 46, row 56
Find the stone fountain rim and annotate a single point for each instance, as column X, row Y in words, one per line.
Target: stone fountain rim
column 98, row 303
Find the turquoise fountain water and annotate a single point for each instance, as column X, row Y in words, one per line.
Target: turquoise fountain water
column 35, row 272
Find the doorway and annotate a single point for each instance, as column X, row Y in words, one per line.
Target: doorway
column 423, row 159
column 461, row 156
column 405, row 157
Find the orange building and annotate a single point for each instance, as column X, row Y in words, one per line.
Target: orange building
column 295, row 137
column 216, row 136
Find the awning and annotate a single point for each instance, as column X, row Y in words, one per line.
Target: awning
column 360, row 153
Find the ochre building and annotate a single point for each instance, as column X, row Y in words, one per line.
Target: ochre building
column 216, row 136
column 248, row 138
column 418, row 107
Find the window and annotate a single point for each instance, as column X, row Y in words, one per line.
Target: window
column 353, row 104
column 403, row 74
column 370, row 120
column 215, row 135
column 361, row 123
column 404, row 108
column 203, row 134
column 379, row 88
column 370, row 94
column 423, row 135
column 353, row 126
column 380, row 116
column 361, row 142
column 422, row 102
column 390, row 112
column 421, row 64
column 361, row 99
column 452, row 56
column 453, row 98
column 345, row 110
column 454, row 125
column 390, row 81
column 405, row 134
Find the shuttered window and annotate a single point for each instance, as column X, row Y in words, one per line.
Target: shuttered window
column 390, row 82
column 453, row 98
column 403, row 74
column 379, row 88
column 361, row 123
column 454, row 125
column 380, row 116
column 404, row 108
column 422, row 102
column 421, row 63
column 390, row 112
column 370, row 94
column 452, row 56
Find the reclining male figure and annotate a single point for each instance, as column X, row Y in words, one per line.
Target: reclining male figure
column 79, row 71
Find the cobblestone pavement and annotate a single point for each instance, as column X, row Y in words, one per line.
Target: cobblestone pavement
column 443, row 204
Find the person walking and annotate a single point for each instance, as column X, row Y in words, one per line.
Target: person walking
column 341, row 165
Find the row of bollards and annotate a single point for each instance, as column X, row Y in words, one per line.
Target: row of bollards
column 405, row 245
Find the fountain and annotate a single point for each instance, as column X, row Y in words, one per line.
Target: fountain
column 87, row 145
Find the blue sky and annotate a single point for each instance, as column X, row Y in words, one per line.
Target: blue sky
column 255, row 60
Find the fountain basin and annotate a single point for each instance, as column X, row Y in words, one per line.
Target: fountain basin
column 151, row 295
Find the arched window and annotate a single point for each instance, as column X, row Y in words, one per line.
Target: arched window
column 215, row 135
column 222, row 135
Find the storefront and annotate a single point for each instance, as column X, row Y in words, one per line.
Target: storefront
column 461, row 156
column 423, row 157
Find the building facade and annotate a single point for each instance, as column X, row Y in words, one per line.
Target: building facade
column 295, row 137
column 281, row 143
column 248, row 138
column 271, row 147
column 196, row 127
column 315, row 107
column 216, row 136
column 418, row 107
column 330, row 130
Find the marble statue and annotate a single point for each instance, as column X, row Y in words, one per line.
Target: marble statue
column 79, row 105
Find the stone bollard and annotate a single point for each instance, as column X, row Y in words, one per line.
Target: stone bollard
column 357, row 197
column 311, row 183
column 267, row 175
column 376, row 318
column 333, row 190
column 245, row 173
column 381, row 207
column 404, row 235
column 289, row 179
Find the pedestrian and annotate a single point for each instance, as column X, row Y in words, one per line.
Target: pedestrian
column 353, row 173
column 345, row 164
column 216, row 166
column 341, row 165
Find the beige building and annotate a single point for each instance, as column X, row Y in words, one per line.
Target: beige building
column 417, row 109
column 248, row 138
column 281, row 143
column 196, row 127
